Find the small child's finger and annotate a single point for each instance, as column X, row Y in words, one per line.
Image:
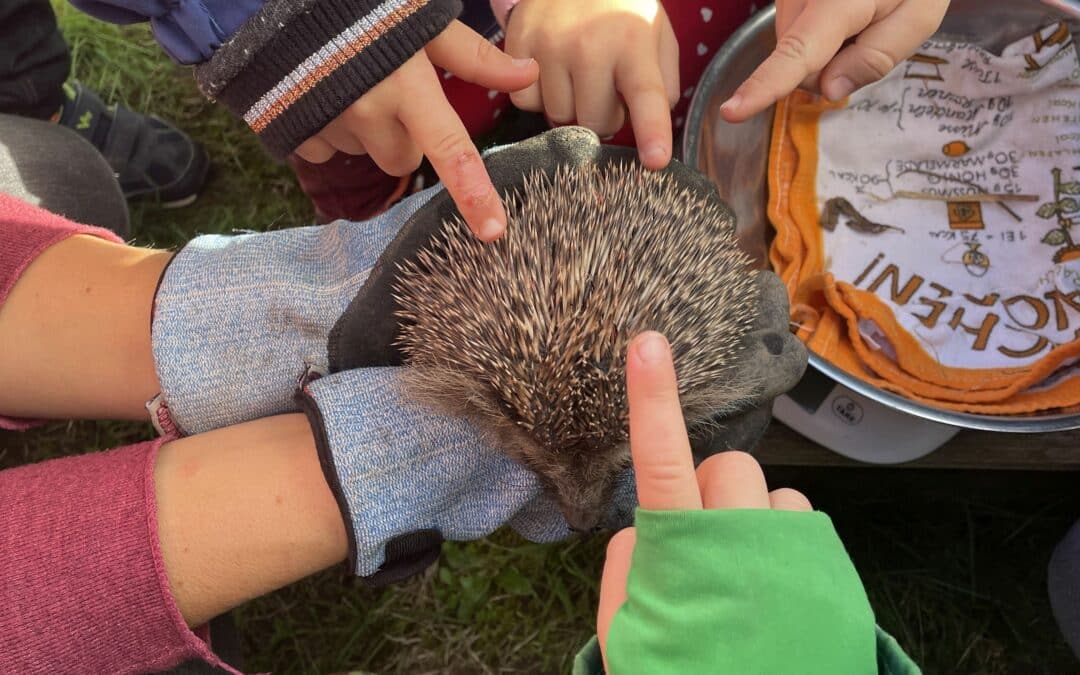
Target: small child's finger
column 642, row 87
column 315, row 150
column 597, row 105
column 470, row 57
column 669, row 64
column 557, row 92
column 528, row 98
column 732, row 480
column 438, row 131
column 814, row 37
column 620, row 551
column 786, row 499
column 663, row 463
column 879, row 48
column 391, row 148
column 786, row 13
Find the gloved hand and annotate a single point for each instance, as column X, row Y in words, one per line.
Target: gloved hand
column 239, row 320
column 406, row 479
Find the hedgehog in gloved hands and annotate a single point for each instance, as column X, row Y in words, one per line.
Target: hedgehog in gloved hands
column 372, row 327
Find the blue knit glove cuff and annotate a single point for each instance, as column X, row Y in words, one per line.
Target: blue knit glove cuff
column 239, row 319
column 398, row 469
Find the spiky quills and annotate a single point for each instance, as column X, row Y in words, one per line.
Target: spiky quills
column 532, row 330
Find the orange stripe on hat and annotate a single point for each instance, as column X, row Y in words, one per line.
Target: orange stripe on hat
column 339, row 58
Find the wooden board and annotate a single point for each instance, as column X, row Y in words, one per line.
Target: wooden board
column 967, row 450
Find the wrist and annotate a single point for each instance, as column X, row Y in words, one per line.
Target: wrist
column 241, row 512
column 76, row 332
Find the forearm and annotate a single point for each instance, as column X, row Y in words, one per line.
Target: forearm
column 107, row 558
column 243, row 511
column 76, row 332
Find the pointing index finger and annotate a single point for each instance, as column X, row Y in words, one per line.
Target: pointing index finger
column 805, row 48
column 642, row 86
column 441, row 136
column 663, row 464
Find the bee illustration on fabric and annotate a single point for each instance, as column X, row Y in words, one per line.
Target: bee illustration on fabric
column 1059, row 37
column 1066, row 209
column 838, row 207
column 975, row 261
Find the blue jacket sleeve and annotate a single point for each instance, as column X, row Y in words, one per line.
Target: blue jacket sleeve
column 189, row 31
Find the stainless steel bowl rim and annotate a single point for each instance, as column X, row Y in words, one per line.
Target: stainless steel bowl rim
column 764, row 20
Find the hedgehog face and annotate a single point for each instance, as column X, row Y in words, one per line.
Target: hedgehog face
column 579, row 473
column 580, row 481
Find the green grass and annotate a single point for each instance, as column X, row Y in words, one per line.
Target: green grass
column 247, row 189
column 954, row 565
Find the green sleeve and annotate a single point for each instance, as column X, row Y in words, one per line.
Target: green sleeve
column 772, row 592
column 891, row 658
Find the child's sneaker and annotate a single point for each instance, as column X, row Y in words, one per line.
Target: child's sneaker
column 151, row 158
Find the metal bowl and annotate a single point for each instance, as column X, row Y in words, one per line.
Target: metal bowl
column 736, row 158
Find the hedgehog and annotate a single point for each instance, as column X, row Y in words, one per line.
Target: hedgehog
column 527, row 336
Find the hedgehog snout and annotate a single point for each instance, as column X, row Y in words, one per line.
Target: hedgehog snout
column 583, row 491
column 580, row 500
column 581, row 519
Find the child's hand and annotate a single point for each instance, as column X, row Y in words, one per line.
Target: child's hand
column 664, row 467
column 407, row 116
column 598, row 59
column 811, row 51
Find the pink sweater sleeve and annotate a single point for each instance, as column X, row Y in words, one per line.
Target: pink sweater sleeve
column 26, row 231
column 82, row 582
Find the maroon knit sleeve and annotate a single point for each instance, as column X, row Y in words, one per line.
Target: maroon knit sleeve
column 25, row 232
column 82, row 581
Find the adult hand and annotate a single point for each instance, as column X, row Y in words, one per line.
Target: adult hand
column 598, row 59
column 407, row 116
column 814, row 48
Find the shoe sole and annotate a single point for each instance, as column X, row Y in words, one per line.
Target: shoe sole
column 202, row 169
column 180, row 203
